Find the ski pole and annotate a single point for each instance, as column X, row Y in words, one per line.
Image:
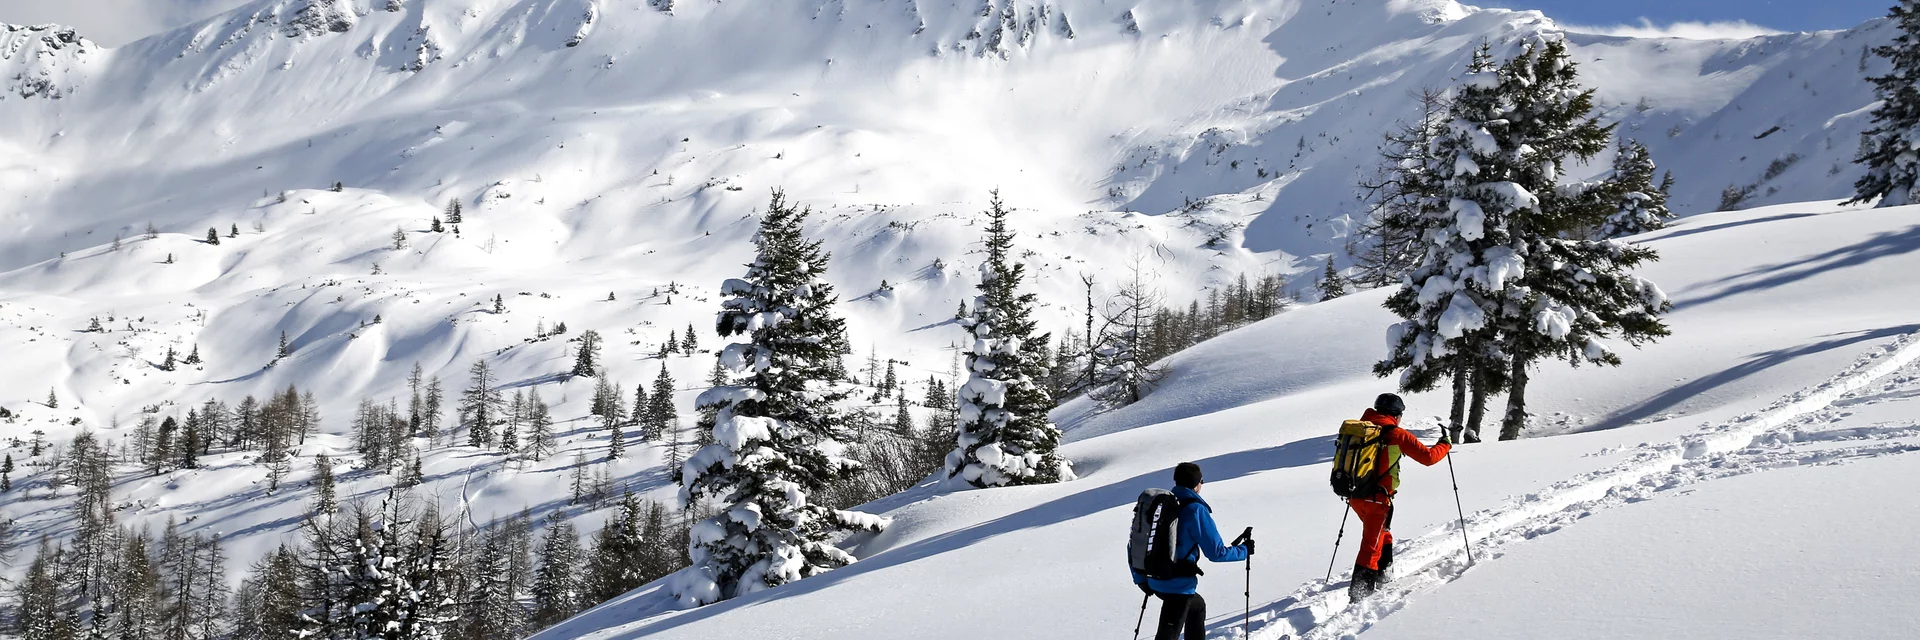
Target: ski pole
column 1143, row 616
column 1246, row 615
column 1464, row 541
column 1336, row 540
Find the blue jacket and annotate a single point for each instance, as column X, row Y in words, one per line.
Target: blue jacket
column 1197, row 536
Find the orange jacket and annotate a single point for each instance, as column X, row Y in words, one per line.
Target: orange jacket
column 1401, row 442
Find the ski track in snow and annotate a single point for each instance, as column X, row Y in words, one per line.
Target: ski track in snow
column 1793, row 432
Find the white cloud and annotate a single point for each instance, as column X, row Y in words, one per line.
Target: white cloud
column 1729, row 30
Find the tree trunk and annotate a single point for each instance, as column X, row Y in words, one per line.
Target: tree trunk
column 1478, row 411
column 1456, row 417
column 1087, row 382
column 1516, row 402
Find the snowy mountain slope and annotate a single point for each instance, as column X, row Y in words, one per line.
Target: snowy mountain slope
column 45, row 60
column 183, row 129
column 1069, row 105
column 1746, row 384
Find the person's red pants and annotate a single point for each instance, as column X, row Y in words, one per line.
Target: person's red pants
column 1375, row 515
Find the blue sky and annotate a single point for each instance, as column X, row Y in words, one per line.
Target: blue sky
column 1785, row 15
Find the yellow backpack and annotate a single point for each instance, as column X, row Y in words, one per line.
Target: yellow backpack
column 1360, row 459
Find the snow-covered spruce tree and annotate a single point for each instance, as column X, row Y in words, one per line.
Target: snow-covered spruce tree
column 516, row 415
column 703, row 425
column 479, row 403
column 373, row 433
column 587, row 356
column 324, row 499
column 1506, row 279
column 1332, row 284
column 492, row 604
column 608, row 405
column 539, row 428
column 1460, row 214
column 660, row 414
column 640, row 404
column 39, row 612
column 556, row 584
column 902, row 418
column 323, row 597
column 1005, row 437
column 627, row 551
column 777, row 428
column 430, row 409
column 1572, row 293
column 87, row 466
column 193, row 585
column 267, row 605
column 363, row 583
column 430, row 575
column 211, row 615
column 616, row 440
column 193, row 439
column 1889, row 148
column 1640, row 203
column 137, row 610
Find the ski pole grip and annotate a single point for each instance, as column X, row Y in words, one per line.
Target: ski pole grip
column 1244, row 536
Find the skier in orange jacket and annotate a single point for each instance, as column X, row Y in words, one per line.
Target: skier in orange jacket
column 1376, row 512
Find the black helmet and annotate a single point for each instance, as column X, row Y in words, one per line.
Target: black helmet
column 1390, row 404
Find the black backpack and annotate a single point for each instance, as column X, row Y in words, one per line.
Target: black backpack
column 1154, row 536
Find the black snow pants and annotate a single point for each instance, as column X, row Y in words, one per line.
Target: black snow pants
column 1179, row 610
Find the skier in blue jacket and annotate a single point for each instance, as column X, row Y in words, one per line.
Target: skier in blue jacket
column 1181, row 604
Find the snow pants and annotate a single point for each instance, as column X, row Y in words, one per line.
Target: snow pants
column 1182, row 610
column 1376, row 514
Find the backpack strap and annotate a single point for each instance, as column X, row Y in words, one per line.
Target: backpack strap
column 1192, row 565
column 1386, row 434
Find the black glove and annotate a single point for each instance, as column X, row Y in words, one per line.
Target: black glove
column 1443, row 439
column 1249, row 545
column 1144, row 588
